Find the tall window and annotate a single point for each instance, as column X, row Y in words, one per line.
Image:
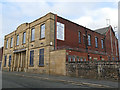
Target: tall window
column 17, row 40
column 31, row 58
column 96, row 42
column 24, row 37
column 102, row 43
column 32, row 34
column 42, row 32
column 10, row 60
column 5, row 61
column 60, row 31
column 89, row 40
column 7, row 43
column 11, row 42
column 79, row 36
column 41, row 57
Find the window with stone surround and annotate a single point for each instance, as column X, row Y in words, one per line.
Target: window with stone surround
column 7, row 43
column 32, row 34
column 5, row 61
column 41, row 57
column 17, row 40
column 10, row 60
column 24, row 37
column 31, row 58
column 42, row 31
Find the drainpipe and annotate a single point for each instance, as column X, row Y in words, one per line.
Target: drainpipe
column 55, row 32
column 28, row 46
column 86, row 43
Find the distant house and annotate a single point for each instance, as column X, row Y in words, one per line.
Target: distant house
column 1, row 54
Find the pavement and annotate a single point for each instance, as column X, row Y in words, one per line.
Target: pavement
column 54, row 81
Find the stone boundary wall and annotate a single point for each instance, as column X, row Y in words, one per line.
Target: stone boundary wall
column 94, row 69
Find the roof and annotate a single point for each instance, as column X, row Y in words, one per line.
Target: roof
column 102, row 30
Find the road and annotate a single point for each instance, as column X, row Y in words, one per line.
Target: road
column 13, row 80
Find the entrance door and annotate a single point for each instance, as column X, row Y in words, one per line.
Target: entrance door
column 16, row 61
column 23, row 59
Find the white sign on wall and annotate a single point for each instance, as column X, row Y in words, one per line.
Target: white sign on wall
column 60, row 31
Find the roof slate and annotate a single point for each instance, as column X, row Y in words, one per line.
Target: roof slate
column 102, row 30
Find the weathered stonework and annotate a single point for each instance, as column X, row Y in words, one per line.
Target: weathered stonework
column 96, row 70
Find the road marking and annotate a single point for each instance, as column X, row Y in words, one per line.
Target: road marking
column 71, row 82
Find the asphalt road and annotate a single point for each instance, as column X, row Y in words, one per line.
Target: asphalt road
column 29, row 80
column 16, row 81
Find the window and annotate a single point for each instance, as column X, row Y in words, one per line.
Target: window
column 32, row 34
column 42, row 32
column 69, row 58
column 5, row 61
column 17, row 40
column 102, row 43
column 10, row 60
column 109, row 58
column 81, row 59
column 41, row 57
column 116, row 58
column 89, row 40
column 31, row 57
column 11, row 42
column 84, row 59
column 79, row 36
column 24, row 37
column 73, row 58
column 7, row 44
column 77, row 58
column 60, row 31
column 113, row 58
column 96, row 42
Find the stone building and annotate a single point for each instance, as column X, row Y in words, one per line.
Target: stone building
column 1, row 54
column 46, row 44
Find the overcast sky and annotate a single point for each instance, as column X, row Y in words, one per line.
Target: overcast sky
column 90, row 14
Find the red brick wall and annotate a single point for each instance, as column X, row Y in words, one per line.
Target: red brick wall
column 118, row 49
column 72, row 41
column 93, row 35
column 71, row 34
column 108, row 44
column 76, row 53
